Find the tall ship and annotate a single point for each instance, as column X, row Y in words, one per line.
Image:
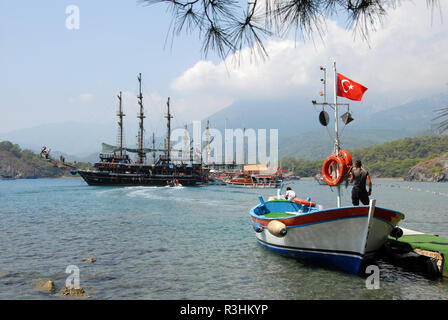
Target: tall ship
column 116, row 168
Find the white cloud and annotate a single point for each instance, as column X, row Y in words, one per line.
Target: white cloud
column 405, row 59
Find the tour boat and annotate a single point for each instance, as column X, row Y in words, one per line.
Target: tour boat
column 254, row 181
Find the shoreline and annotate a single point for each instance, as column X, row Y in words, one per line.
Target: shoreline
column 373, row 178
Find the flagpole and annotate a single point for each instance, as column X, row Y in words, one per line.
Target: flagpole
column 336, row 125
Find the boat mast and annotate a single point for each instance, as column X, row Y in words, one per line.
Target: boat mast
column 120, row 115
column 336, row 122
column 141, row 116
column 244, row 147
column 168, row 136
column 186, row 143
column 336, row 127
column 153, row 148
column 333, row 105
column 207, row 142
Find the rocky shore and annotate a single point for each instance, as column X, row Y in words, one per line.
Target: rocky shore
column 433, row 170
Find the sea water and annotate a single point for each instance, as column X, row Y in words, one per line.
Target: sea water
column 187, row 243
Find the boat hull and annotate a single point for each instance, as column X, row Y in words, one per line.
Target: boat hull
column 334, row 237
column 253, row 185
column 344, row 262
column 95, row 178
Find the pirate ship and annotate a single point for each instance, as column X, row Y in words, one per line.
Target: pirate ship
column 116, row 168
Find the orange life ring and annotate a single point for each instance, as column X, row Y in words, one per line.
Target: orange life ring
column 348, row 160
column 327, row 169
column 304, row 202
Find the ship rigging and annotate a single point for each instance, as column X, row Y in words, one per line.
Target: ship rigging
column 115, row 168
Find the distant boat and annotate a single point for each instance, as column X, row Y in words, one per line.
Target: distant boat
column 256, row 176
column 7, row 177
column 290, row 177
column 254, row 181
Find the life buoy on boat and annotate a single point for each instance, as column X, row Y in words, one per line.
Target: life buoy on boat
column 305, row 202
column 348, row 160
column 333, row 162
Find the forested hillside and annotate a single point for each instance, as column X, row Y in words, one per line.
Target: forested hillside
column 390, row 159
column 18, row 163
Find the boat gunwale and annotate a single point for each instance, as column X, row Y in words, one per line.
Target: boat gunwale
column 302, row 214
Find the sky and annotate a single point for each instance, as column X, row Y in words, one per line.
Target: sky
column 51, row 74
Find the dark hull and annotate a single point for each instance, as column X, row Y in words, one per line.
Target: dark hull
column 105, row 178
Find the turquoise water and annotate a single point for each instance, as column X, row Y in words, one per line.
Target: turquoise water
column 186, row 243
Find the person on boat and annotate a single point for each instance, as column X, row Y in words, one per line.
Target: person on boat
column 290, row 194
column 359, row 192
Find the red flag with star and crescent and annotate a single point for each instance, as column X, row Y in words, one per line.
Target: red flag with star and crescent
column 350, row 89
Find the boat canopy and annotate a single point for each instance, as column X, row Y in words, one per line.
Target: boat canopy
column 255, row 167
column 107, row 148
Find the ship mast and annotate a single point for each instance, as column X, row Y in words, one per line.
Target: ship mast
column 207, row 142
column 120, row 115
column 168, row 135
column 141, row 116
column 186, row 143
column 153, row 148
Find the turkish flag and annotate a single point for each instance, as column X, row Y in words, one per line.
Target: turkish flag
column 350, row 89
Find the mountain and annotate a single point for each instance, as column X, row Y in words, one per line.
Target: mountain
column 318, row 144
column 391, row 159
column 302, row 136
column 289, row 116
column 76, row 141
column 300, row 133
column 416, row 115
column 293, row 117
column 71, row 137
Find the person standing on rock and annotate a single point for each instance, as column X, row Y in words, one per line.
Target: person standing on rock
column 359, row 192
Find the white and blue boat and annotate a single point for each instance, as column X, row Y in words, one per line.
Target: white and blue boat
column 340, row 237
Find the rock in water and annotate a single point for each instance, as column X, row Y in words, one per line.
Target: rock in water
column 45, row 285
column 72, row 292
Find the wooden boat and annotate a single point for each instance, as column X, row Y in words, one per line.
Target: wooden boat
column 340, row 237
column 254, row 181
